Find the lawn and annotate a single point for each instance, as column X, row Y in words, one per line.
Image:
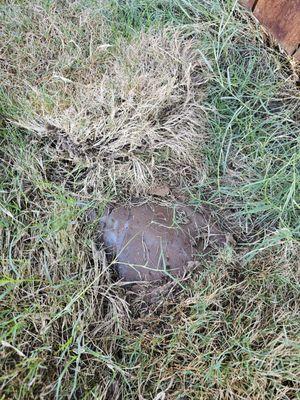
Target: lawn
column 99, row 102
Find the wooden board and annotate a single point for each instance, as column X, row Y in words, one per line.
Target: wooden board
column 282, row 19
column 248, row 3
column 297, row 55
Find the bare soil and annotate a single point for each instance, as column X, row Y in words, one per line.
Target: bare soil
column 151, row 241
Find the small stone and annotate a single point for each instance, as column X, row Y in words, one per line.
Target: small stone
column 160, row 191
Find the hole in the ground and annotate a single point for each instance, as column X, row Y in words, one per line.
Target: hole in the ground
column 151, row 241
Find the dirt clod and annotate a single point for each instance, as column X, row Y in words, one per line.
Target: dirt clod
column 150, row 241
column 160, row 191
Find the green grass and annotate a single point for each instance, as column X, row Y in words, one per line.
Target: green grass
column 236, row 337
column 255, row 120
column 128, row 18
column 260, row 134
column 67, row 330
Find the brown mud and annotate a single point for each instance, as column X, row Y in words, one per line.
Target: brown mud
column 150, row 242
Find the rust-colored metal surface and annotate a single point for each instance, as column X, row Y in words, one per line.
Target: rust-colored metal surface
column 282, row 19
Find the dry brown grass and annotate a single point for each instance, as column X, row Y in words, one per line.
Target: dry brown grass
column 130, row 113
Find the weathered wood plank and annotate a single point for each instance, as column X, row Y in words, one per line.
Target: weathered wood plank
column 297, row 55
column 282, row 19
column 248, row 3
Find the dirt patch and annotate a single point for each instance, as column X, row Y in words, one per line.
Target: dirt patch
column 151, row 241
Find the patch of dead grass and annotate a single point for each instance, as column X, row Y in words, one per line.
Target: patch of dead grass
column 233, row 333
column 132, row 114
column 59, row 309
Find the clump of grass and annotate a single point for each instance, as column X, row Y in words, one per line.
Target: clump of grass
column 232, row 334
column 136, row 123
column 46, row 40
column 128, row 18
column 60, row 313
column 253, row 152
